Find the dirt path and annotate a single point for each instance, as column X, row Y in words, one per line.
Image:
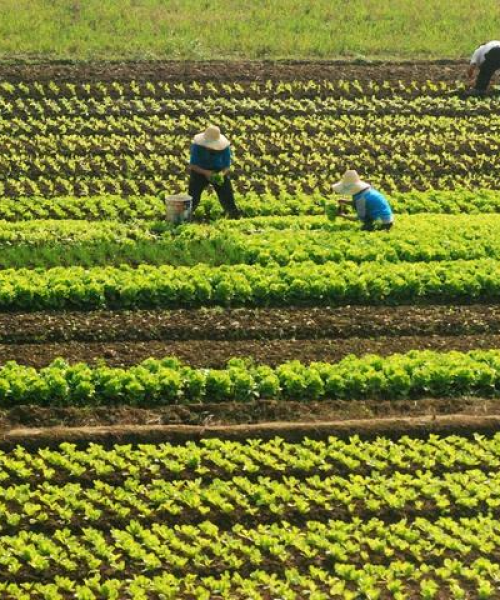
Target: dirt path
column 233, row 413
column 390, row 427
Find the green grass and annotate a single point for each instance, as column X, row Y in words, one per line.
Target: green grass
column 202, row 29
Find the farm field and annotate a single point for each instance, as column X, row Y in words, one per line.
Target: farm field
column 91, row 273
column 406, row 518
column 276, row 407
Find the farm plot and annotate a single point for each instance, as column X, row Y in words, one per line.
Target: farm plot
column 225, row 519
column 85, row 156
column 109, row 316
column 132, row 138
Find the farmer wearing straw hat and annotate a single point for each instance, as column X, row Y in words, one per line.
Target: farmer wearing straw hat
column 209, row 164
column 370, row 205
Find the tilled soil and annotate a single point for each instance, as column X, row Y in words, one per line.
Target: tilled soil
column 215, row 354
column 188, row 71
column 249, row 324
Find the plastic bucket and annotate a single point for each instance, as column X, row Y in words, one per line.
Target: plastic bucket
column 179, row 208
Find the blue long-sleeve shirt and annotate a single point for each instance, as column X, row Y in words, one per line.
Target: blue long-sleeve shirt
column 212, row 160
column 371, row 205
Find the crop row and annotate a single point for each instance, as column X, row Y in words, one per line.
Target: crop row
column 399, row 580
column 223, row 459
column 265, row 161
column 201, row 89
column 435, row 238
column 162, row 382
column 206, row 548
column 320, row 104
column 153, row 132
column 305, row 283
column 248, row 500
column 152, row 207
column 322, row 536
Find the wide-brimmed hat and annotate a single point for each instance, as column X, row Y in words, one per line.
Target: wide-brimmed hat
column 351, row 184
column 212, row 138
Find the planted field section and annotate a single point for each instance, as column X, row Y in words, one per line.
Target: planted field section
column 306, row 283
column 255, row 262
column 168, row 382
column 152, row 208
column 132, row 138
column 319, row 519
column 261, row 241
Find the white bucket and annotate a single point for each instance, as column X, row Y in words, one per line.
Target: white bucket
column 179, row 208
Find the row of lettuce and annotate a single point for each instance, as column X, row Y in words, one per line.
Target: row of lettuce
column 261, row 241
column 456, row 579
column 57, row 90
column 224, row 458
column 141, row 146
column 306, row 284
column 151, row 206
column 157, row 382
column 48, row 507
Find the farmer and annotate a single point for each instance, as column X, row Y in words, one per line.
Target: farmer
column 484, row 62
column 369, row 204
column 210, row 163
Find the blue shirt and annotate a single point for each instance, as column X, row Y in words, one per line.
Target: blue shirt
column 212, row 160
column 372, row 205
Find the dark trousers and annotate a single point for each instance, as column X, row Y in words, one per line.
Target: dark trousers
column 369, row 225
column 487, row 70
column 198, row 182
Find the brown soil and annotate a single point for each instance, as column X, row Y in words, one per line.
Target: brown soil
column 367, row 428
column 249, row 324
column 232, row 413
column 444, row 70
column 216, row 354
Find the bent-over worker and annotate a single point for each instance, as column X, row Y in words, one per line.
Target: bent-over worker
column 484, row 62
column 209, row 164
column 370, row 205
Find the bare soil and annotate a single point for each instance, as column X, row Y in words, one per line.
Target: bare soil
column 249, row 324
column 216, row 354
column 232, row 413
column 187, row 71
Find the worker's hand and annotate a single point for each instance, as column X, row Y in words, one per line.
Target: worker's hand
column 209, row 174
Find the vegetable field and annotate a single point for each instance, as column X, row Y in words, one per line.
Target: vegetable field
column 319, row 519
column 155, row 353
column 103, row 302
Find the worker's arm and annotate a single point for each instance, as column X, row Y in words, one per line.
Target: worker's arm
column 473, row 65
column 345, row 202
column 361, row 208
column 471, row 72
column 195, row 160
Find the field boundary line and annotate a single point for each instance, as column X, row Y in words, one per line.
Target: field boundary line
column 290, row 431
